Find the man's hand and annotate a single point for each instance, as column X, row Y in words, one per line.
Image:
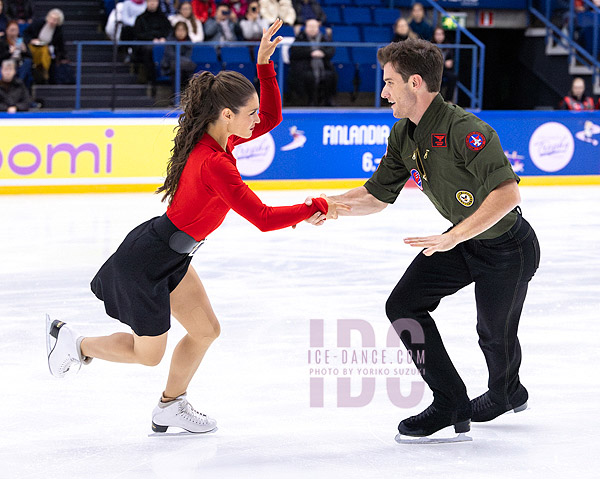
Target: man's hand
column 332, row 213
column 433, row 244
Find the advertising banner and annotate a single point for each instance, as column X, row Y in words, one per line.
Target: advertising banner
column 130, row 154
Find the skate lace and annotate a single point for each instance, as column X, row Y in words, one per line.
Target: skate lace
column 482, row 403
column 426, row 413
column 189, row 413
column 66, row 364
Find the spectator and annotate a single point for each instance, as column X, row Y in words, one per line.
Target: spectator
column 186, row 64
column 576, row 99
column 271, row 10
column 194, row 26
column 41, row 35
column 312, row 78
column 238, row 8
column 12, row 46
column 307, row 9
column 3, row 19
column 204, row 9
column 402, row 31
column 19, row 10
column 448, row 76
column 221, row 27
column 122, row 19
column 252, row 26
column 418, row 24
column 13, row 93
column 152, row 25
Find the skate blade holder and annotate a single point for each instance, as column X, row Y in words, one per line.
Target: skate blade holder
column 460, row 437
column 175, row 431
column 439, row 437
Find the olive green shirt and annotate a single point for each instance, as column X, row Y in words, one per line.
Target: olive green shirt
column 454, row 157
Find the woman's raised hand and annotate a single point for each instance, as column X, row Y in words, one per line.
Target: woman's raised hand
column 267, row 47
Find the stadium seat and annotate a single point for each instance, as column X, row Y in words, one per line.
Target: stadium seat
column 357, row 16
column 286, row 31
column 346, row 33
column 158, row 52
column 376, row 34
column 334, row 2
column 206, row 58
column 385, row 16
column 238, row 59
column 333, row 14
column 371, row 3
column 345, row 69
column 365, row 60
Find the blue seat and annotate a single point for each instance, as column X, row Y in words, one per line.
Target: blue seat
column 286, row 31
column 345, row 69
column 238, row 59
column 376, row 34
column 345, row 33
column 370, row 3
column 206, row 58
column 385, row 16
column 346, row 73
column 342, row 55
column 333, row 14
column 158, row 52
column 357, row 16
column 364, row 55
column 334, row 2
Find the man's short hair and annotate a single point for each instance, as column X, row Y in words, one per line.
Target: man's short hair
column 9, row 61
column 415, row 56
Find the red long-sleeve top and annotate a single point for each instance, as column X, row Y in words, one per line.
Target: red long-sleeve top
column 211, row 185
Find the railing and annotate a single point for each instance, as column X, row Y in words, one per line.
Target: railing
column 576, row 51
column 473, row 91
column 476, row 92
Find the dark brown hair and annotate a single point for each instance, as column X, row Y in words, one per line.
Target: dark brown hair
column 202, row 101
column 415, row 57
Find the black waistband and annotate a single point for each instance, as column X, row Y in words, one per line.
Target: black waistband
column 178, row 240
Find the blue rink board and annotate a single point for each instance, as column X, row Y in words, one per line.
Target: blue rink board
column 568, row 142
column 319, row 158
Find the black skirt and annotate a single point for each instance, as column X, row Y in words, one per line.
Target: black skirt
column 136, row 281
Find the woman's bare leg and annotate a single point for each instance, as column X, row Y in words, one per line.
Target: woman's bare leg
column 191, row 307
column 126, row 348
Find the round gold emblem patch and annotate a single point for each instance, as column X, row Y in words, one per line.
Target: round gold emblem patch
column 464, row 197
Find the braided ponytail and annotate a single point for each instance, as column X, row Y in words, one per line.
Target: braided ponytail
column 202, row 102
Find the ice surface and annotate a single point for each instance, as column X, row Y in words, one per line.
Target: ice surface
column 255, row 380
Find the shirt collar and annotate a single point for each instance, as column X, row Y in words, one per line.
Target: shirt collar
column 210, row 142
column 430, row 119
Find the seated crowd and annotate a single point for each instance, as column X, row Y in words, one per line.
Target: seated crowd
column 33, row 47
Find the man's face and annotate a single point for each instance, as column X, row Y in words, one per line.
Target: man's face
column 52, row 20
column 8, row 72
column 222, row 13
column 311, row 28
column 418, row 13
column 398, row 92
column 152, row 5
column 578, row 87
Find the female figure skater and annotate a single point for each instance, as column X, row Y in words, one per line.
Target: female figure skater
column 149, row 277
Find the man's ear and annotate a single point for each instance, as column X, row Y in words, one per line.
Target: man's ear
column 416, row 81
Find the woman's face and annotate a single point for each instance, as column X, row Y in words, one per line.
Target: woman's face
column 439, row 36
column 12, row 32
column 402, row 27
column 242, row 124
column 186, row 10
column 181, row 33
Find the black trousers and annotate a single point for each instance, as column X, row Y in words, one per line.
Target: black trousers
column 501, row 269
